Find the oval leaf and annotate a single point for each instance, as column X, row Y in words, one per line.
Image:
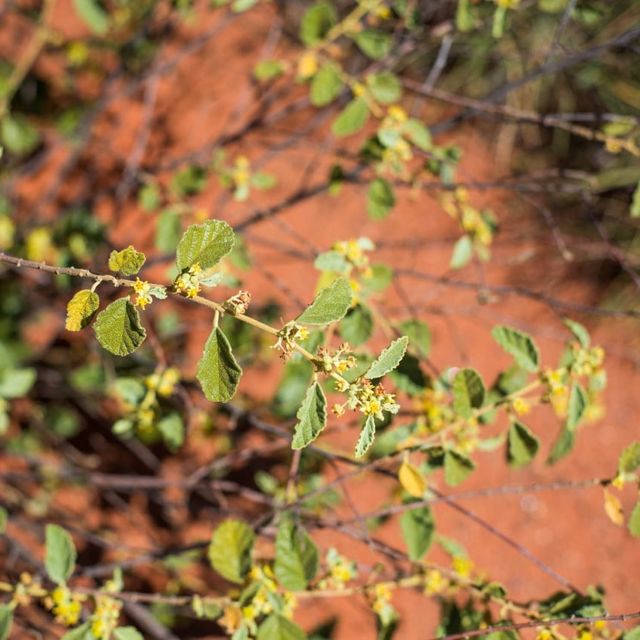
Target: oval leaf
column 118, row 328
column 60, row 554
column 80, row 309
column 367, row 436
column 296, row 560
column 277, row 627
column 417, row 530
column 380, row 199
column 456, row 467
column 411, row 479
column 205, row 244
column 522, row 445
column 519, row 345
column 230, row 550
column 330, row 305
column 218, row 372
column 128, row 261
column 578, row 402
column 351, row 119
column 388, row 360
column 312, row 417
column 468, row 392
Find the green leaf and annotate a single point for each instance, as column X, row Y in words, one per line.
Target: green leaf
column 267, row 70
column 218, row 371
column 94, row 16
column 118, row 328
column 6, row 620
column 168, row 230
column 18, row 135
column 60, row 558
column 374, row 44
column 385, row 87
column 205, row 244
column 635, row 202
column 462, row 252
column 634, row 521
column 418, row 134
column 317, row 21
column 468, row 392
column 351, row 119
column 15, row 383
column 325, row 86
column 128, row 261
column 579, row 332
column 388, row 360
column 312, row 417
column 230, row 550
column 380, row 199
column 4, row 518
column 238, row 6
column 522, row 445
column 419, row 335
column 80, row 309
column 367, row 436
column 171, row 427
column 417, row 530
column 149, row 196
column 127, row 633
column 296, row 559
column 379, row 279
column 277, row 627
column 357, row 326
column 562, row 446
column 330, row 305
column 519, row 345
column 83, row 632
column 465, row 20
column 456, row 467
column 408, row 376
column 578, row 402
column 629, row 459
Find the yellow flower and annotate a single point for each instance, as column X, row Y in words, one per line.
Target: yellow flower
column 521, row 406
column 397, row 113
column 143, row 293
column 66, row 606
column 434, row 582
column 462, row 566
column 231, row 619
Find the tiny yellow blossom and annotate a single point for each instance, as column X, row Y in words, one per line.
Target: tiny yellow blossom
column 307, row 65
column 462, row 566
column 521, row 406
column 397, row 113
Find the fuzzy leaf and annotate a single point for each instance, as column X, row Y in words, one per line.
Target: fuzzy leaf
column 80, row 309
column 630, row 458
column 205, row 244
column 351, row 119
column 522, row 445
column 230, row 550
column 127, row 262
column 380, row 199
column 94, row 16
column 367, row 436
column 468, row 392
column 388, row 360
column 277, row 627
column 456, row 467
column 411, row 479
column 317, row 21
column 462, row 252
column 60, row 558
column 577, row 405
column 417, row 530
column 579, row 332
column 419, row 336
column 634, row 521
column 218, row 372
column 127, row 633
column 374, row 44
column 519, row 345
column 385, row 87
column 118, row 328
column 562, row 446
column 330, row 305
column 312, row 417
column 357, row 326
column 325, row 86
column 296, row 559
column 6, row 620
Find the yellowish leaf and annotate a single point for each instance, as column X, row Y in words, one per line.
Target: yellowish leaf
column 80, row 309
column 613, row 508
column 412, row 480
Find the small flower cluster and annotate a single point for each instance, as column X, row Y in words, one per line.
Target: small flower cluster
column 381, row 603
column 288, row 336
column 355, row 252
column 397, row 150
column 143, row 293
column 188, row 283
column 238, row 303
column 434, row 582
column 163, row 382
column 341, row 571
column 435, row 413
column 340, row 360
column 105, row 617
column 65, row 605
column 366, row 397
column 245, row 614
